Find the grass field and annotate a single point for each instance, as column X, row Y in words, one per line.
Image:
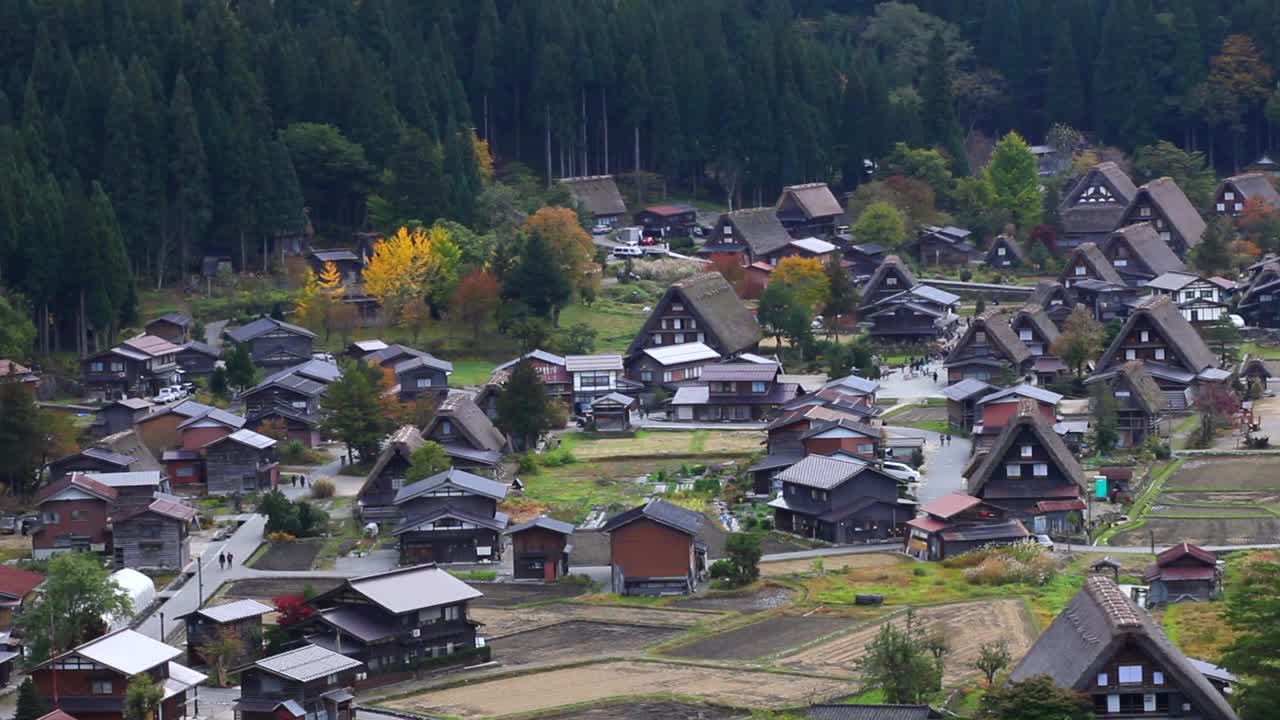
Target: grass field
column 1267, row 352
column 471, row 372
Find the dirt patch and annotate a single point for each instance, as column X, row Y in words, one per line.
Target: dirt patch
column 655, row 710
column 593, row 683
column 767, row 599
column 288, row 556
column 779, row 543
column 830, row 562
column 1202, row 531
column 577, row 639
column 500, row 622
column 512, row 594
column 266, row 588
column 1228, row 473
column 967, row 626
column 769, row 637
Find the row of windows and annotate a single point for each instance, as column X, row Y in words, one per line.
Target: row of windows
column 679, row 324
column 53, row 518
column 679, row 338
column 1037, row 470
column 1133, row 354
column 725, row 387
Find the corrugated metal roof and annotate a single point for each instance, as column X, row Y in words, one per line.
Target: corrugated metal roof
column 127, row 479
column 248, row 437
column 544, row 522
column 1023, row 390
column 307, row 663
column 683, row 353
column 237, row 610
column 691, row 395
column 453, row 476
column 824, row 473
column 413, row 588
column 128, row 651
column 814, row 245
column 580, row 363
column 733, row 371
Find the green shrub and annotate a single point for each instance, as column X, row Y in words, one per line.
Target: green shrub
column 558, row 457
column 919, row 572
column 720, row 570
column 527, row 464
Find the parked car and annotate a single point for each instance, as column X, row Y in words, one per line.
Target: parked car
column 166, row 395
column 1044, row 541
column 324, row 356
column 628, row 251
column 901, row 471
column 8, row 525
column 600, row 229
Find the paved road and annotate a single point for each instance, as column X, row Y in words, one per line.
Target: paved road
column 213, row 333
column 189, row 597
column 943, row 466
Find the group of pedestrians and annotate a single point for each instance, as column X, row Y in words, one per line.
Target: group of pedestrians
column 944, row 439
column 225, row 560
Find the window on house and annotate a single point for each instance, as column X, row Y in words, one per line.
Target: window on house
column 1130, row 355
column 1122, row 393
column 1102, row 679
column 677, row 307
column 453, row 612
column 186, row 472
column 1024, row 334
column 249, row 483
column 1222, row 207
column 1027, row 450
column 299, row 404
column 1079, row 270
column 866, row 448
column 657, row 339
column 1228, row 195
column 1013, row 470
column 424, row 382
column 1239, row 207
column 667, row 376
column 1113, row 703
column 1157, row 677
column 446, row 427
column 1040, row 470
column 1000, row 251
column 758, row 387
column 646, row 376
column 50, row 518
column 100, row 687
column 77, row 514
column 679, row 338
column 1144, row 211
column 1130, row 674
column 677, row 324
column 1144, row 336
column 331, row 679
column 1159, row 353
column 1120, row 262
column 150, row 530
column 1165, row 236
column 891, row 281
column 397, row 483
column 96, row 367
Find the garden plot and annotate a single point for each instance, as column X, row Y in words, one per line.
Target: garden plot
column 768, row 637
column 512, row 594
column 766, row 599
column 967, row 626
column 831, row 562
column 499, row 622
column 652, row 710
column 577, row 640
column 1214, row 501
column 533, row 692
column 1202, row 531
column 265, row 589
column 289, row 556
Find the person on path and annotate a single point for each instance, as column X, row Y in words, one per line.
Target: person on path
column 222, row 561
column 230, row 560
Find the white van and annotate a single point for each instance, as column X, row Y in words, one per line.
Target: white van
column 628, row 251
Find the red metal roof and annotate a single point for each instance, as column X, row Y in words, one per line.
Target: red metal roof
column 80, row 481
column 1045, row 506
column 18, row 582
column 1178, row 552
column 670, row 209
column 948, row 505
column 929, row 525
column 57, row 715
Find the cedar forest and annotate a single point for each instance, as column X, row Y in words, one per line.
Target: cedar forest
column 137, row 136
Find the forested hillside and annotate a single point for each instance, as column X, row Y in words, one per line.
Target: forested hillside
column 138, row 135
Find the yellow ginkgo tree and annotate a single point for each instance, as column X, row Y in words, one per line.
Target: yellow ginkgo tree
column 412, row 264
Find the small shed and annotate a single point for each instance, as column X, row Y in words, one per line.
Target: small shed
column 612, row 412
column 962, row 402
column 141, row 591
column 241, row 619
column 540, row 548
column 1183, row 572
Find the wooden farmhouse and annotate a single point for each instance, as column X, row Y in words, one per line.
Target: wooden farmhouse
column 1140, row 403
column 702, row 308
column 654, row 550
column 1163, row 204
column 1139, row 254
column 1095, row 205
column 1105, row 646
column 1236, row 191
column 540, row 548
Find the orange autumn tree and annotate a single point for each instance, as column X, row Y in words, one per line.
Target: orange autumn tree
column 570, row 245
column 807, row 279
column 476, row 299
